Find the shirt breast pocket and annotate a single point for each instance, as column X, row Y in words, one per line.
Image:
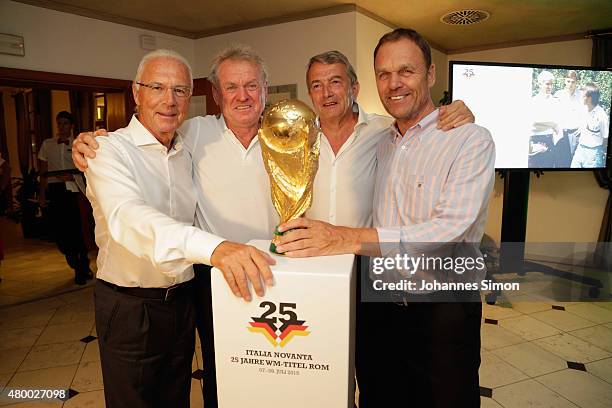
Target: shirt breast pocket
column 420, row 195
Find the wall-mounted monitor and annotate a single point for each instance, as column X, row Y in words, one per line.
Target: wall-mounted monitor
column 545, row 117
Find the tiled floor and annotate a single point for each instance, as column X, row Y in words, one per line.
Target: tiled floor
column 532, row 355
column 52, row 343
column 32, row 269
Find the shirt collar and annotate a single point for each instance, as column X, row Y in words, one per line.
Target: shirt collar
column 424, row 125
column 229, row 133
column 142, row 137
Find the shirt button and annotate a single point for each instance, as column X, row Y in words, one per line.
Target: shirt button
column 403, row 147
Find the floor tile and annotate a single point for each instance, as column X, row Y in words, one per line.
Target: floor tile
column 88, row 377
column 198, row 353
column 92, row 352
column 37, row 319
column 494, row 372
column 528, row 328
column 572, row 348
column 11, row 359
column 53, row 355
column 600, row 336
column 583, row 389
column 605, row 305
column 61, row 333
column 73, row 314
column 562, row 320
column 18, row 338
column 195, row 396
column 530, row 393
column 32, row 308
column 93, row 399
column 498, row 312
column 84, row 296
column 601, row 369
column 35, row 404
column 55, row 377
column 592, row 312
column 489, row 403
column 494, row 336
column 4, row 379
column 528, row 307
column 531, row 359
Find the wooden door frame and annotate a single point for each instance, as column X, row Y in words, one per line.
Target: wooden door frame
column 24, row 78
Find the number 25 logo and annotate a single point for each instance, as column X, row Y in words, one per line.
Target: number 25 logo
column 278, row 328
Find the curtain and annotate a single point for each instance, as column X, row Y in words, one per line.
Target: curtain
column 42, row 109
column 602, row 58
column 81, row 107
column 24, row 142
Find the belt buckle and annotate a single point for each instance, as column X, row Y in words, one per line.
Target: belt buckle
column 169, row 292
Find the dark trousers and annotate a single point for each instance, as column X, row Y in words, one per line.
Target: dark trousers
column 419, row 355
column 66, row 228
column 146, row 348
column 204, row 323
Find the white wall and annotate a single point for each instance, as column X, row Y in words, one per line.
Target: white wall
column 563, row 206
column 66, row 43
column 286, row 47
column 368, row 32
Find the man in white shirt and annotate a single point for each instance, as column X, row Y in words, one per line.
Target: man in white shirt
column 591, row 151
column 60, row 188
column 141, row 189
column 229, row 168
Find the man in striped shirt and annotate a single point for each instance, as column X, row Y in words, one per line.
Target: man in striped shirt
column 431, row 187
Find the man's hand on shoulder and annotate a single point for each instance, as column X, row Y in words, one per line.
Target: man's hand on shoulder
column 454, row 115
column 241, row 263
column 84, row 146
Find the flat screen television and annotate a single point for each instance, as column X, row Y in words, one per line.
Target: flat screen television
column 542, row 117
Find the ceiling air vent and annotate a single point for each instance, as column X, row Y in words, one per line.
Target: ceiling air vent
column 465, row 17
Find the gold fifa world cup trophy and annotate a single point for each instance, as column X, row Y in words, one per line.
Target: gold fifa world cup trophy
column 289, row 139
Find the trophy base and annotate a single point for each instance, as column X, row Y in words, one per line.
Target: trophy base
column 277, row 234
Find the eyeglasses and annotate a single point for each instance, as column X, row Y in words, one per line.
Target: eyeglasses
column 159, row 90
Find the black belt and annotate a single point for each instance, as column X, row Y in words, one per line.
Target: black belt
column 166, row 294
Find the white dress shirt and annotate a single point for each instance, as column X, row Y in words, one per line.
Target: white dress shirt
column 58, row 157
column 144, row 204
column 233, row 186
column 344, row 185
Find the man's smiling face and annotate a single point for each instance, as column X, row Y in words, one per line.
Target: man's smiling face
column 242, row 92
column 162, row 114
column 403, row 79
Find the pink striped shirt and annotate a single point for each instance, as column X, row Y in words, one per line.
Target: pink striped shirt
column 433, row 186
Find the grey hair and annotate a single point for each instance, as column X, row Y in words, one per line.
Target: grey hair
column 545, row 76
column 334, row 57
column 161, row 53
column 236, row 52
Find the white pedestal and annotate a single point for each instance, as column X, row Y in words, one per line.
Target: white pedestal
column 310, row 363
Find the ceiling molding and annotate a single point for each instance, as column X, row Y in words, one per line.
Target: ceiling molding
column 111, row 18
column 305, row 15
column 510, row 44
column 376, row 17
column 392, row 26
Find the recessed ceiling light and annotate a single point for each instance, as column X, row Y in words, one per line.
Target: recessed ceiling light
column 465, row 17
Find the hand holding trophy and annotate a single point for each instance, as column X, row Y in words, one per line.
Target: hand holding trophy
column 289, row 139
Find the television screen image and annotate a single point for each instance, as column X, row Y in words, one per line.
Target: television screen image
column 540, row 117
